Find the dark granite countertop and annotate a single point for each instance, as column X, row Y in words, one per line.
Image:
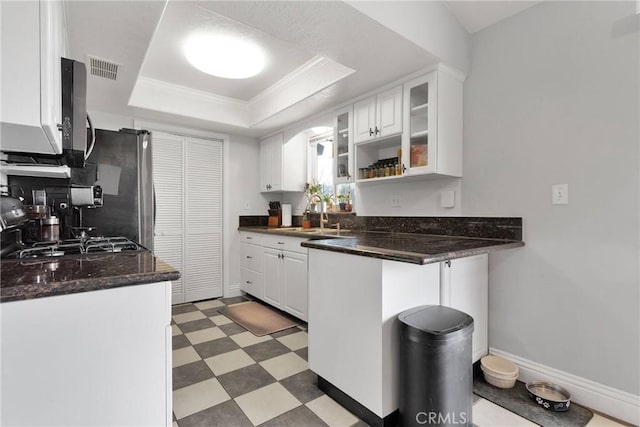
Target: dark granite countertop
column 44, row 277
column 414, row 248
column 309, row 233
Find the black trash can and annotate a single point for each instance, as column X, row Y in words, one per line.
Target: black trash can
column 436, row 372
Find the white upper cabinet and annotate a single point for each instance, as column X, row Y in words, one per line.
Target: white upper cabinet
column 33, row 41
column 282, row 165
column 271, row 163
column 432, row 138
column 343, row 137
column 378, row 116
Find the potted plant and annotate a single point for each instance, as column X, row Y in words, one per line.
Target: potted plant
column 327, row 201
column 306, row 222
column 312, row 191
column 342, row 201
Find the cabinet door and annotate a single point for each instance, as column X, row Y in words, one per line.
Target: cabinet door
column 271, row 163
column 30, row 76
column 419, row 141
column 364, row 119
column 251, row 257
column 272, row 276
column 464, row 286
column 251, row 282
column 52, row 48
column 389, row 113
column 343, row 130
column 294, row 279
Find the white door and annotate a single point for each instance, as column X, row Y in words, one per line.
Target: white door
column 203, row 212
column 168, row 160
column 188, row 230
column 294, row 280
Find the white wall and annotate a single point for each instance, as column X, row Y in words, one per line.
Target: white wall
column 553, row 98
column 108, row 121
column 429, row 24
column 241, row 184
column 417, row 198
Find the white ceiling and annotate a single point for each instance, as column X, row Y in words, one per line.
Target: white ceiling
column 320, row 54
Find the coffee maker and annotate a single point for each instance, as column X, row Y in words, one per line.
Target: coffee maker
column 80, row 198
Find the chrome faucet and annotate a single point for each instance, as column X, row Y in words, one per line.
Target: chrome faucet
column 324, row 219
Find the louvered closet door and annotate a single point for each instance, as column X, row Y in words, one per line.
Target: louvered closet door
column 168, row 161
column 203, row 232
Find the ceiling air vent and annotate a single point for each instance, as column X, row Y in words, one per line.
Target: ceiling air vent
column 102, row 68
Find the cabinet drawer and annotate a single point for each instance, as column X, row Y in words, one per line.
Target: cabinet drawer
column 251, row 282
column 251, row 257
column 286, row 243
column 255, row 238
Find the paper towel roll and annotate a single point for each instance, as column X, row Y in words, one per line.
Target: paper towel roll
column 286, row 215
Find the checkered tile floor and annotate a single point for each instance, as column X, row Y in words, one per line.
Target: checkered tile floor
column 223, row 375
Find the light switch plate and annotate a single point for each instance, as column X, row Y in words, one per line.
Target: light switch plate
column 447, row 199
column 560, row 194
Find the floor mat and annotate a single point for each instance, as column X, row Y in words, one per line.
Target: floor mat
column 517, row 400
column 257, row 318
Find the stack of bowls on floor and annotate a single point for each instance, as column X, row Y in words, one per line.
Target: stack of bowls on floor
column 499, row 371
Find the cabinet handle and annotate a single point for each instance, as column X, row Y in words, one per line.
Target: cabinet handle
column 249, row 282
column 249, row 257
column 249, row 237
column 404, row 168
column 281, row 243
column 448, row 263
column 370, row 132
column 377, row 130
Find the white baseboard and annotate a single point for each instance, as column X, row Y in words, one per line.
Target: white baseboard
column 232, row 291
column 608, row 400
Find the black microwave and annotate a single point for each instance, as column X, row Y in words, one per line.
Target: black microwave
column 74, row 113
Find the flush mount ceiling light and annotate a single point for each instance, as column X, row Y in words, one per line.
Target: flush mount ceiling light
column 224, row 56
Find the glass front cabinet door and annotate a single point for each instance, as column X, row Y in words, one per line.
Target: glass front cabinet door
column 432, row 137
column 343, row 136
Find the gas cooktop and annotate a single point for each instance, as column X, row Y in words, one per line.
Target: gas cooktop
column 76, row 246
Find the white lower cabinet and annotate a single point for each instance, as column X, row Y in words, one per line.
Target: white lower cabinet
column 294, row 284
column 274, row 269
column 88, row 359
column 464, row 285
column 361, row 298
column 251, row 277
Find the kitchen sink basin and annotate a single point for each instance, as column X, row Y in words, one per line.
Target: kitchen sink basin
column 311, row 230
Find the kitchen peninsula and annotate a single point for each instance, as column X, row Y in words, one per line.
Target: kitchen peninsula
column 86, row 339
column 360, row 280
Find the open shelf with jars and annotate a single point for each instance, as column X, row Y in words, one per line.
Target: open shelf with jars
column 379, row 160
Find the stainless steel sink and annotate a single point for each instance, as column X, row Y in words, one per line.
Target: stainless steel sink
column 314, row 230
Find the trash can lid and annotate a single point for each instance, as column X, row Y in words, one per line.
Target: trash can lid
column 436, row 320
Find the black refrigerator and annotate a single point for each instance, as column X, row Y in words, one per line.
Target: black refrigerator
column 121, row 163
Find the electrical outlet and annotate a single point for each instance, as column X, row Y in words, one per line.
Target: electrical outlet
column 396, row 201
column 246, row 205
column 560, row 194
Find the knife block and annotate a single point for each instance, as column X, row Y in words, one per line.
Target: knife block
column 275, row 221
